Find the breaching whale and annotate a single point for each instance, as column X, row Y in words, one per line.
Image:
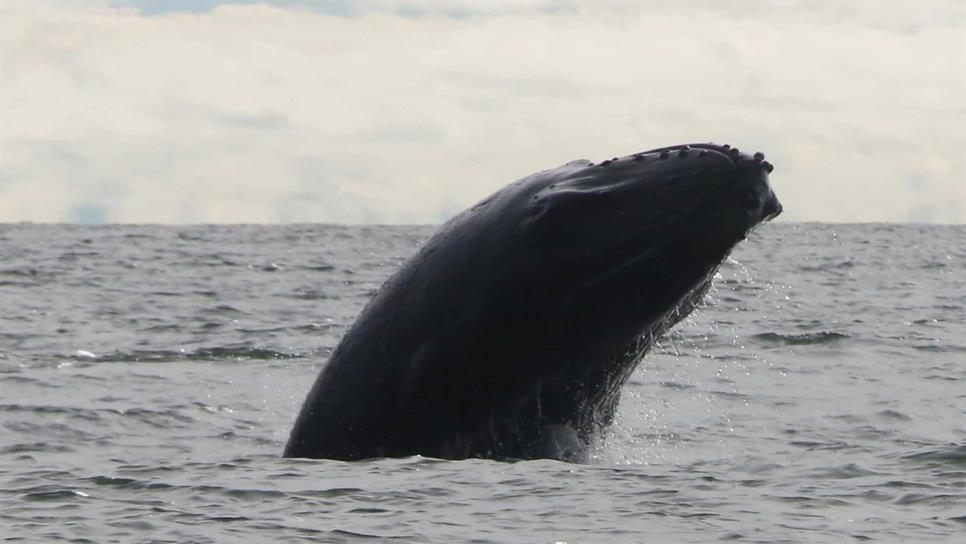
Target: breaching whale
column 509, row 334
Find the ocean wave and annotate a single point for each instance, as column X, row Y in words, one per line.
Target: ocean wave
column 954, row 455
column 819, row 337
column 201, row 354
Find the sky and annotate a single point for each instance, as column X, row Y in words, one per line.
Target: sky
column 407, row 111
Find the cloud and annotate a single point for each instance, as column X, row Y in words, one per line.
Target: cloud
column 404, row 111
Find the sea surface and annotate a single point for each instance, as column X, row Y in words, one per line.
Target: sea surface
column 149, row 377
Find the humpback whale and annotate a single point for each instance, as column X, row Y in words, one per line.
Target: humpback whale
column 510, row 333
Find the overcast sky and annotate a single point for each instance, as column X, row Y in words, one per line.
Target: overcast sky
column 382, row 111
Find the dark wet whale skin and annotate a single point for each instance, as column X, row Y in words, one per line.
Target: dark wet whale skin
column 510, row 333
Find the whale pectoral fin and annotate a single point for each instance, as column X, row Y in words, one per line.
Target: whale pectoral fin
column 561, row 441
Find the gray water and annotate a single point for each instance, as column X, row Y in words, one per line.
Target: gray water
column 149, row 377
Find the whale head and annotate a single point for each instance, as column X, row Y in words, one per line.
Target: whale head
column 662, row 219
column 703, row 195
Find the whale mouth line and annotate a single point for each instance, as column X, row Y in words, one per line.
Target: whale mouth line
column 611, row 272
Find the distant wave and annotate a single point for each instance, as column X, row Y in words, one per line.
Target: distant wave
column 201, row 354
column 820, row 337
column 827, row 266
column 953, row 455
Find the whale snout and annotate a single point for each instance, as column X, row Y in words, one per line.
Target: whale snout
column 716, row 186
column 772, row 208
column 754, row 174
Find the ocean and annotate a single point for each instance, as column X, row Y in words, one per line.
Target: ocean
column 149, row 376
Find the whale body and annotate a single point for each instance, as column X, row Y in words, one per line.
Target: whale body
column 510, row 333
